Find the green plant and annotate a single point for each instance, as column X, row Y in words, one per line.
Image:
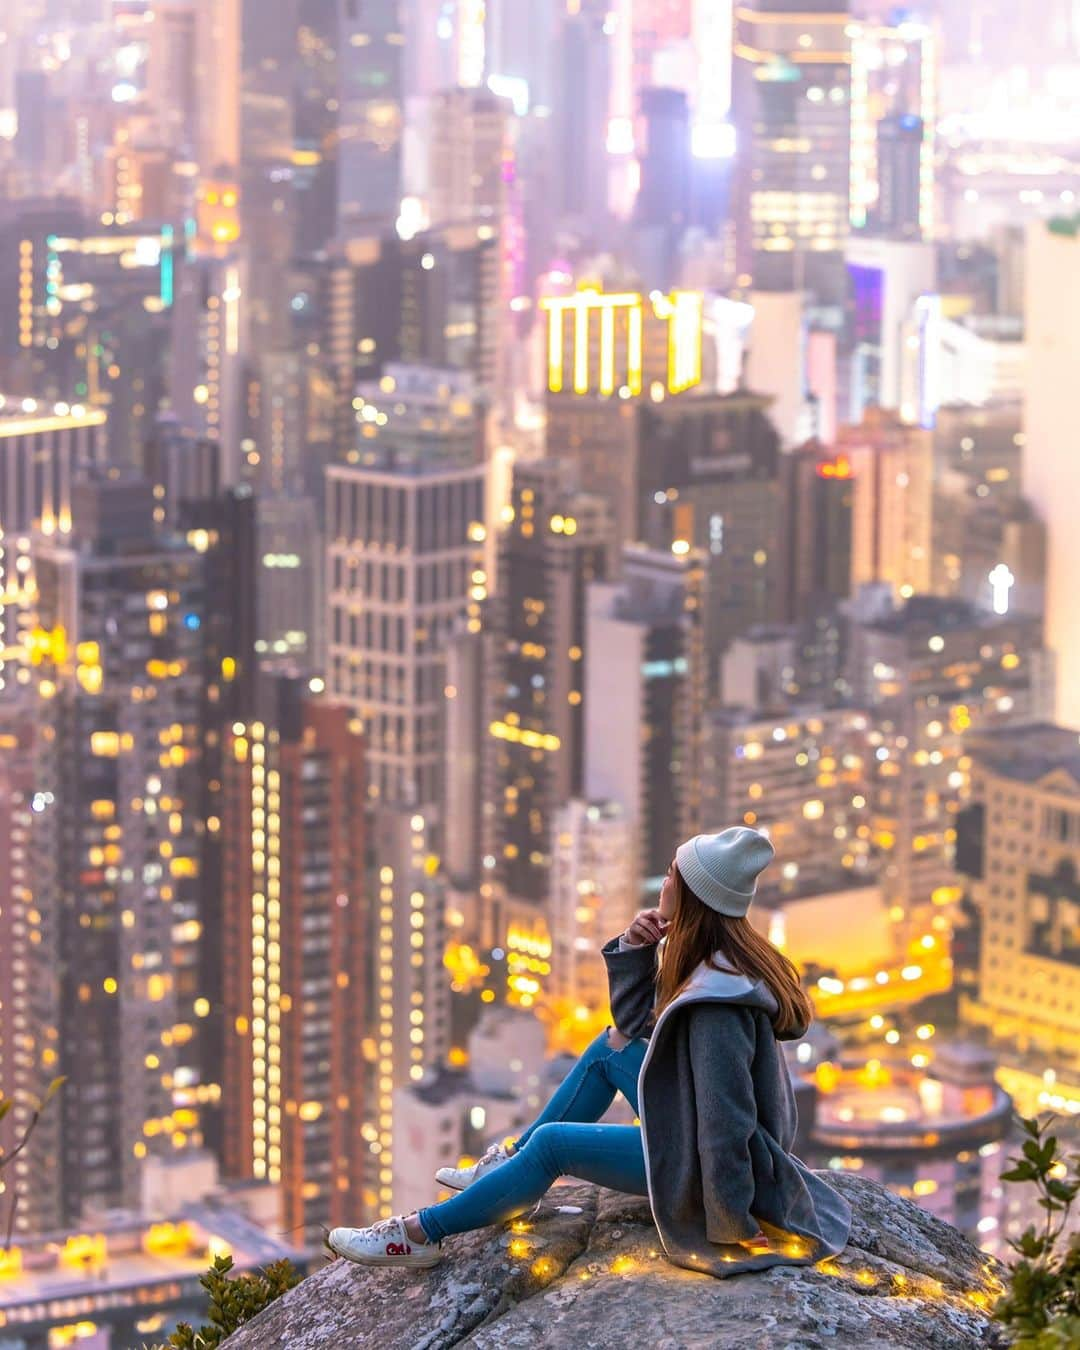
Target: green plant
column 1041, row 1305
column 7, row 1156
column 233, row 1302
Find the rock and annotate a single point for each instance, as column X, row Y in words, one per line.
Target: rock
column 589, row 1273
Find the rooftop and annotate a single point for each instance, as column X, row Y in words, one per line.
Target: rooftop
column 944, row 614
column 1027, row 754
column 125, row 1251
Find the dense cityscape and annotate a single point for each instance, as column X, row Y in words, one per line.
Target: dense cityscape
column 450, row 453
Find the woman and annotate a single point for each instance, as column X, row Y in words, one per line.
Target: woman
column 694, row 1050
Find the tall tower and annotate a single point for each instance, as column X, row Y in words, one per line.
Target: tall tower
column 29, row 970
column 119, row 659
column 370, row 120
column 792, row 104
column 217, row 59
column 295, row 930
column 469, row 143
column 404, row 566
column 556, row 542
column 43, row 449
column 892, row 467
column 405, row 571
column 645, row 670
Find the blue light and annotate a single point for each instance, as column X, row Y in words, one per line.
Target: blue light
column 167, row 279
column 193, row 622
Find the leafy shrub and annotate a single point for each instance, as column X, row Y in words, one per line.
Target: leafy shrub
column 233, row 1302
column 1041, row 1305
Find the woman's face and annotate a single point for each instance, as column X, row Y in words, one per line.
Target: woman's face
column 666, row 904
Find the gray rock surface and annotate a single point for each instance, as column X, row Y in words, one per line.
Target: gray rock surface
column 588, row 1272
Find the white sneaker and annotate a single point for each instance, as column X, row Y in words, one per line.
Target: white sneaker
column 385, row 1243
column 461, row 1178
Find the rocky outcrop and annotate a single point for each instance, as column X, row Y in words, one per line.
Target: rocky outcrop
column 586, row 1270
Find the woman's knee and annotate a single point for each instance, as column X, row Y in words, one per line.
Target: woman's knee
column 544, row 1146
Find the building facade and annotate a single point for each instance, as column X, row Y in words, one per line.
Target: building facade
column 296, row 932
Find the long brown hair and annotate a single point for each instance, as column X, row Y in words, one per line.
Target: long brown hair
column 697, row 933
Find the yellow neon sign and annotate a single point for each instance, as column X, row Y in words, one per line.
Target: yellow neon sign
column 682, row 311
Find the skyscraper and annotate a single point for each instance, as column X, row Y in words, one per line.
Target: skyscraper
column 119, row 660
column 792, row 107
column 470, row 141
column 171, row 69
column 296, row 933
column 404, row 567
column 934, row 674
column 555, row 542
column 899, row 155
column 370, row 119
column 816, row 535
column 1019, row 841
column 709, row 480
column 645, row 668
column 217, row 48
column 29, row 976
column 894, row 118
column 43, row 449
column 892, row 468
column 426, row 301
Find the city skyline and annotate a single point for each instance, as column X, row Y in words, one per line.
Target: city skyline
column 452, row 453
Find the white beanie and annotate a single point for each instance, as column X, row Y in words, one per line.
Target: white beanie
column 722, row 869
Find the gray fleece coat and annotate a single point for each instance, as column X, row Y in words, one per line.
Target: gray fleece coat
column 718, row 1119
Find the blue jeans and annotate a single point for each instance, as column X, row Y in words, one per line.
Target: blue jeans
column 563, row 1140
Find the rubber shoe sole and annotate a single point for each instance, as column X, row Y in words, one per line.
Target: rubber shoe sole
column 450, row 1185
column 362, row 1259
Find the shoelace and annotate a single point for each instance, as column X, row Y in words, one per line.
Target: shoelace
column 385, row 1225
column 493, row 1152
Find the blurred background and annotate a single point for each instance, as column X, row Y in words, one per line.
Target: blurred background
column 450, row 453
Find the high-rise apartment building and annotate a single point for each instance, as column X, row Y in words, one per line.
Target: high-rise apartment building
column 118, row 656
column 181, row 466
column 43, row 448
column 1051, row 469
column 29, row 976
column 221, row 528
column 608, row 352
column 892, row 469
column 815, row 537
column 645, row 670
column 801, row 774
column 894, row 116
column 406, row 572
column 709, row 479
column 425, row 301
column 296, row 935
column 371, row 112
column 171, row 69
column 1019, row 843
column 556, row 541
column 289, row 614
column 405, row 565
column 217, row 68
column 468, row 154
column 932, row 675
column 793, row 127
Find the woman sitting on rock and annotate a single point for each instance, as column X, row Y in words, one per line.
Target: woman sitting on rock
column 694, row 1051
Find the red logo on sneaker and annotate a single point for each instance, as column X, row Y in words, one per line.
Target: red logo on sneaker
column 398, row 1249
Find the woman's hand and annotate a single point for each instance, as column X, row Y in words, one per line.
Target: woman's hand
column 647, row 929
